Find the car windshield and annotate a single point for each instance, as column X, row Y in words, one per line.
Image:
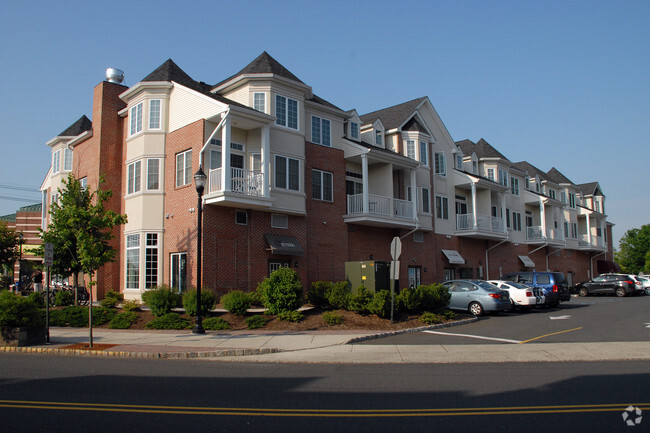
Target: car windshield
column 487, row 286
column 519, row 285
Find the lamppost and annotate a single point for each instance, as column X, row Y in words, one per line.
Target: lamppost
column 21, row 241
column 199, row 181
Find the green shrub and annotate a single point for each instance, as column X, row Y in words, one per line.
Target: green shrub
column 161, row 300
column 338, row 296
column 18, row 311
column 215, row 324
column 431, row 318
column 236, row 302
column 123, row 320
column 57, row 318
column 332, row 318
column 360, row 300
column 282, row 291
column 208, row 301
column 37, row 298
column 102, row 315
column 63, row 298
column 168, row 321
column 111, row 299
column 77, row 317
column 290, row 316
column 256, row 299
column 317, row 294
column 448, row 314
column 131, row 305
column 256, row 321
column 407, row 300
column 380, row 304
column 433, row 297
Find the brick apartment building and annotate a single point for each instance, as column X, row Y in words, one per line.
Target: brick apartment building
column 295, row 181
column 26, row 222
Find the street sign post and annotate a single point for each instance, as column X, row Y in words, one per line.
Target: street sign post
column 395, row 252
column 48, row 260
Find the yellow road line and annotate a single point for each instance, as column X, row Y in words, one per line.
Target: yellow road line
column 326, row 413
column 548, row 335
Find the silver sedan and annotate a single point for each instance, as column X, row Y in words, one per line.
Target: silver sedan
column 476, row 296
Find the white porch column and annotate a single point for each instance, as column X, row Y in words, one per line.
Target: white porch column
column 364, row 181
column 589, row 230
column 266, row 160
column 542, row 216
column 503, row 213
column 225, row 156
column 414, row 194
column 474, row 215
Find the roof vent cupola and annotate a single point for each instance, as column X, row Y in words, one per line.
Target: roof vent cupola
column 114, row 75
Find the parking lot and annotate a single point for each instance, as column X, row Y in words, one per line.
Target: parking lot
column 589, row 319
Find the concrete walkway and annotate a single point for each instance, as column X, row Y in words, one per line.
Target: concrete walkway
column 317, row 347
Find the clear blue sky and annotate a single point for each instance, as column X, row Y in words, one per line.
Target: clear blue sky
column 560, row 84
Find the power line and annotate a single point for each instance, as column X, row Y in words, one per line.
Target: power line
column 6, row 197
column 18, row 187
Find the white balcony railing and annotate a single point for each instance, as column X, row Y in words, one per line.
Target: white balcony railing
column 246, row 182
column 596, row 241
column 483, row 223
column 534, row 233
column 381, row 205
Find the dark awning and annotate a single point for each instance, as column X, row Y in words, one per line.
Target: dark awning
column 286, row 245
column 606, row 266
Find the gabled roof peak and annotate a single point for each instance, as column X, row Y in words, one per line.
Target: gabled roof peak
column 264, row 64
column 394, row 116
column 170, row 71
column 79, row 127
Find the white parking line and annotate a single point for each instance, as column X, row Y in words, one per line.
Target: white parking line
column 505, row 340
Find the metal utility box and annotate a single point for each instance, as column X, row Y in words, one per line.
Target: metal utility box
column 374, row 275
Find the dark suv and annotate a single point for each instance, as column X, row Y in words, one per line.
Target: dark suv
column 618, row 284
column 553, row 284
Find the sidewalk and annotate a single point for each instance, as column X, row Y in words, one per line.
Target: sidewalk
column 316, row 347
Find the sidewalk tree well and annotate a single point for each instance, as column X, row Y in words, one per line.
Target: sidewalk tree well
column 80, row 231
column 9, row 240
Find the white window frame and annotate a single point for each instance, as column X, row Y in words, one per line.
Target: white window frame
column 354, row 130
column 155, row 114
column 134, row 177
column 514, row 185
column 286, row 163
column 321, row 131
column 135, row 119
column 379, row 137
column 440, row 162
column 459, row 161
column 551, row 193
column 322, row 185
column 151, row 260
column 410, row 149
column 425, row 200
column 282, row 113
column 442, row 207
column 572, row 200
column 56, row 161
column 259, row 101
column 574, row 230
column 153, row 174
column 83, row 182
column 178, row 258
column 503, row 177
column 424, row 153
column 490, row 174
column 183, row 169
column 132, row 264
column 516, row 221
column 67, row 159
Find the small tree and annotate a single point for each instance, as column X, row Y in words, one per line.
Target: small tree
column 633, row 250
column 282, row 291
column 8, row 245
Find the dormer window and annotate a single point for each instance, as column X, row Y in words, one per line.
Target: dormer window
column 379, row 138
column 354, row 130
column 474, row 167
column 459, row 161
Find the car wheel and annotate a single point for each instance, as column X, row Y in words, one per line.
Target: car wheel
column 647, row 290
column 620, row 292
column 476, row 309
column 583, row 291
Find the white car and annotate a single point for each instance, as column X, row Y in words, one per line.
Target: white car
column 521, row 295
column 645, row 282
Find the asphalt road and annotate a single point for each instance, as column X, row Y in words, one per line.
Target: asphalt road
column 70, row 394
column 589, row 319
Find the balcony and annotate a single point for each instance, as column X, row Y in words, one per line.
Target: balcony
column 487, row 227
column 596, row 243
column 246, row 189
column 382, row 211
column 535, row 235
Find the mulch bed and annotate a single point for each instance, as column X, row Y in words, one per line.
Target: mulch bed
column 86, row 346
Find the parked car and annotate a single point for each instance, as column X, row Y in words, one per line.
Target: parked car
column 618, row 284
column 521, row 295
column 476, row 296
column 638, row 285
column 553, row 284
column 645, row 282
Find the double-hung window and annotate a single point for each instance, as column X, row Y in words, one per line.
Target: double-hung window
column 56, row 157
column 136, row 119
column 184, row 168
column 133, row 178
column 133, row 261
column 410, row 149
column 426, row 200
column 442, row 207
column 322, row 185
column 154, row 114
column 354, row 130
column 516, row 221
column 572, row 200
column 67, row 159
column 574, row 230
column 287, row 173
column 490, row 174
column 320, row 131
column 459, row 161
column 153, row 174
column 259, row 102
column 424, row 154
column 286, row 112
column 440, row 164
column 151, row 261
column 514, row 185
column 503, row 177
column 551, row 193
column 379, row 138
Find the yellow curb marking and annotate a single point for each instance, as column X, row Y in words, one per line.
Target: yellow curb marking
column 548, row 335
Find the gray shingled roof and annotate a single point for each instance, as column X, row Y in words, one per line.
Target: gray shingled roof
column 531, row 170
column 482, row 148
column 264, row 64
column 590, row 188
column 79, row 127
column 393, row 117
column 556, row 176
